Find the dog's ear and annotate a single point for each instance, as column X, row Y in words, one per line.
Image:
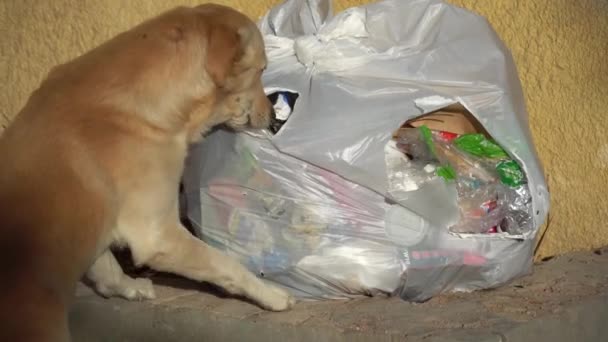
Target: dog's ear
column 224, row 49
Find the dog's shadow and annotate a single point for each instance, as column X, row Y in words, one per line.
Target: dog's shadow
column 124, row 258
column 163, row 279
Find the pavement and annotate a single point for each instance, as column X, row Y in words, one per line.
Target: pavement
column 564, row 299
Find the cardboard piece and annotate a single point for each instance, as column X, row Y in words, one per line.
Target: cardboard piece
column 454, row 118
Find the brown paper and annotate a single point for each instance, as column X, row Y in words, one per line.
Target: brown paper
column 446, row 121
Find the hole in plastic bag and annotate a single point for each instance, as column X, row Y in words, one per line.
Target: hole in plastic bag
column 283, row 103
column 450, row 143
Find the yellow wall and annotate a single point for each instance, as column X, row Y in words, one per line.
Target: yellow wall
column 560, row 47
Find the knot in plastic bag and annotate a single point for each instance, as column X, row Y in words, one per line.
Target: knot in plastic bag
column 306, row 48
column 336, row 46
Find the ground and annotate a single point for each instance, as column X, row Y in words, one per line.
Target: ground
column 562, row 300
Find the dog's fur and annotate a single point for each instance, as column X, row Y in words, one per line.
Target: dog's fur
column 95, row 157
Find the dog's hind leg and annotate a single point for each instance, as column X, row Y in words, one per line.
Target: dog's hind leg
column 110, row 280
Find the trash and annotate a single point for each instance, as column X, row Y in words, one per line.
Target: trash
column 401, row 163
column 482, row 171
column 283, row 104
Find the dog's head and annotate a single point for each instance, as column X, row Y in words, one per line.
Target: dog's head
column 235, row 60
column 190, row 68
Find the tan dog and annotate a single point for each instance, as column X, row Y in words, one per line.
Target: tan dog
column 95, row 157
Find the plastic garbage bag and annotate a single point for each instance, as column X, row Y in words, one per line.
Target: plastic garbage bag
column 402, row 164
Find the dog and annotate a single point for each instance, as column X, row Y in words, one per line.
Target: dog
column 95, row 157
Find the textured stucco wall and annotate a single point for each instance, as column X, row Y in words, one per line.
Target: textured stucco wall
column 560, row 47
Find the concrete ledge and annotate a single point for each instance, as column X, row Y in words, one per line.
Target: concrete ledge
column 565, row 299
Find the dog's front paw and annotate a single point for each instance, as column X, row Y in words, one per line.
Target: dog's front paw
column 276, row 299
column 140, row 289
column 129, row 288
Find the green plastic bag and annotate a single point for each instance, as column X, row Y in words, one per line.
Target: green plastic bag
column 427, row 136
column 510, row 173
column 446, row 172
column 478, row 145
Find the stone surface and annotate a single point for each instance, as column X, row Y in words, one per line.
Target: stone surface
column 563, row 300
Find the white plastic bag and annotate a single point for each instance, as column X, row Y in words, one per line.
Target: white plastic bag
column 323, row 206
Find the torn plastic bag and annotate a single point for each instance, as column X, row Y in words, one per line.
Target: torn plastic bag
column 403, row 164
